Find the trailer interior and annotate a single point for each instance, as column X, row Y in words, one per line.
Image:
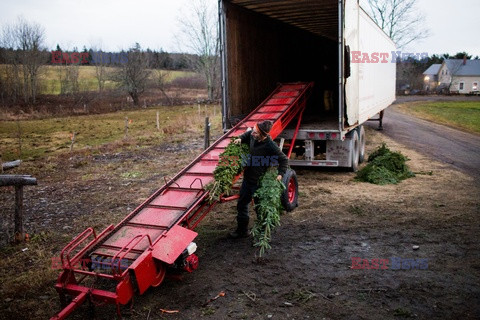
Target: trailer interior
column 271, row 42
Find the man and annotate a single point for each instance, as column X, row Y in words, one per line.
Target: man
column 263, row 153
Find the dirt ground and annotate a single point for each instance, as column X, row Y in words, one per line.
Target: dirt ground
column 308, row 272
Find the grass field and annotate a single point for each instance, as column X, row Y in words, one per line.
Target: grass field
column 34, row 139
column 50, row 78
column 464, row 115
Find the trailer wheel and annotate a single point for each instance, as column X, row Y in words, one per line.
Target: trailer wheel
column 355, row 151
column 290, row 194
column 161, row 271
column 361, row 137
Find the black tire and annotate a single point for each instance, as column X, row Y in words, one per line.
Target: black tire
column 290, row 194
column 361, row 137
column 355, row 151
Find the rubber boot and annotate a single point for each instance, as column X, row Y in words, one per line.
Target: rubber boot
column 242, row 230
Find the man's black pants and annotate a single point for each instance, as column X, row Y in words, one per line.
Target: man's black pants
column 246, row 195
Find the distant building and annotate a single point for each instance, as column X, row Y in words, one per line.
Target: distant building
column 456, row 75
column 431, row 77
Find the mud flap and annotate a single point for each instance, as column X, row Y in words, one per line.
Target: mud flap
column 171, row 246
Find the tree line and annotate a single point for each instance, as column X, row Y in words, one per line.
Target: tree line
column 23, row 56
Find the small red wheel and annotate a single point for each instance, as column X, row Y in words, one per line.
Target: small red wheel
column 161, row 271
column 290, row 194
column 292, row 189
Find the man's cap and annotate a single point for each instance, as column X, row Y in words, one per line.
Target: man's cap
column 265, row 126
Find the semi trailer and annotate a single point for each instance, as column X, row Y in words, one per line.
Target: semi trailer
column 284, row 61
column 332, row 43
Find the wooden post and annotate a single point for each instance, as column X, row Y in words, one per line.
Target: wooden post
column 282, row 141
column 207, row 133
column 380, row 120
column 9, row 165
column 18, row 181
column 158, row 121
column 73, row 140
column 19, row 137
column 19, row 236
column 198, row 109
column 126, row 127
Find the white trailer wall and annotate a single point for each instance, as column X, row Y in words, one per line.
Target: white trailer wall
column 376, row 80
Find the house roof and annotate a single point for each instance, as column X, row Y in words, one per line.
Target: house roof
column 456, row 67
column 433, row 69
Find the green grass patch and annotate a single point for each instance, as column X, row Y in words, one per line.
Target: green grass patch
column 131, row 175
column 464, row 115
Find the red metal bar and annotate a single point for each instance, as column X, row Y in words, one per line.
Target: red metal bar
column 74, row 243
column 81, row 294
column 182, row 217
column 203, row 215
column 94, row 274
column 290, row 113
column 141, row 236
column 201, row 183
column 188, row 219
column 76, row 302
column 292, row 143
column 91, row 243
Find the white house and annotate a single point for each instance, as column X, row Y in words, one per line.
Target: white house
column 457, row 75
column 431, row 77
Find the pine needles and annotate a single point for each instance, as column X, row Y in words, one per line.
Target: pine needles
column 385, row 167
column 269, row 208
column 229, row 165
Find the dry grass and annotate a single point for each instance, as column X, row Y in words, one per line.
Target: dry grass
column 37, row 139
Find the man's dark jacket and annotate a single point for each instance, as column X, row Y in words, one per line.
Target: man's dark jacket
column 261, row 153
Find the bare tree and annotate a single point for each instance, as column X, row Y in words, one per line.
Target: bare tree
column 199, row 30
column 68, row 73
column 100, row 61
column 400, row 19
column 11, row 82
column 69, row 79
column 409, row 72
column 29, row 40
column 161, row 77
column 133, row 74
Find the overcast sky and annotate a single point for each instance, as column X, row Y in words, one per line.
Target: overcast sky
column 118, row 24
